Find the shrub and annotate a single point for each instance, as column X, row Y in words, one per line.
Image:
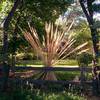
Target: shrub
column 39, row 95
column 84, row 58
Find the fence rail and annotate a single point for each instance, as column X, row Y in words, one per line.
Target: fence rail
column 39, row 82
column 46, row 69
column 87, row 69
column 54, row 68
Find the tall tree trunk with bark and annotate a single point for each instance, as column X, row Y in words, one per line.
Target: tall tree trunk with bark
column 88, row 11
column 14, row 44
column 5, row 44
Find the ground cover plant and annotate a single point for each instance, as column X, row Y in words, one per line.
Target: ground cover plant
column 23, row 94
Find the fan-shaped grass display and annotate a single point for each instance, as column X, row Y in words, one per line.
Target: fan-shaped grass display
column 56, row 45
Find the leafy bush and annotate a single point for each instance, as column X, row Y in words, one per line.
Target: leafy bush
column 27, row 57
column 84, row 58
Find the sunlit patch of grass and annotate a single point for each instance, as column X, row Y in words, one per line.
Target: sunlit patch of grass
column 61, row 75
column 67, row 75
column 67, row 62
column 38, row 63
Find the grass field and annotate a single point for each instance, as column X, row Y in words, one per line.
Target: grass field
column 38, row 63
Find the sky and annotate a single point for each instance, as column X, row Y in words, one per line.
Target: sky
column 97, row 14
column 63, row 18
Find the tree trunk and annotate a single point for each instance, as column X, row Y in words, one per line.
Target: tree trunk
column 14, row 44
column 5, row 43
column 89, row 15
column 88, row 11
column 94, row 32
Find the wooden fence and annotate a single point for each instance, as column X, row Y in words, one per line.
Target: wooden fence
column 87, row 69
column 48, row 69
column 40, row 82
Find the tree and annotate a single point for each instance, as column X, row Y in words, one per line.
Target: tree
column 32, row 10
column 89, row 15
column 83, row 34
column 89, row 11
column 37, row 12
column 79, row 26
column 5, row 44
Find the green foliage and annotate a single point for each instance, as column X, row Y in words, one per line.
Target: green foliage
column 46, row 9
column 5, row 7
column 96, row 24
column 82, row 33
column 84, row 58
column 61, row 75
column 96, row 7
column 28, row 56
column 34, row 11
column 20, row 43
column 38, row 95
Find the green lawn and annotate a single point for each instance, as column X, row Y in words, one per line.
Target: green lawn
column 38, row 63
column 61, row 75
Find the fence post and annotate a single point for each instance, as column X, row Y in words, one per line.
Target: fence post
column 82, row 77
column 95, row 81
column 5, row 76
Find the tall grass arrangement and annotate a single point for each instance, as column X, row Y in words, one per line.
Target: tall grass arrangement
column 56, row 45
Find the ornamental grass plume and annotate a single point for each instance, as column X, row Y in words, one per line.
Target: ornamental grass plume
column 56, row 45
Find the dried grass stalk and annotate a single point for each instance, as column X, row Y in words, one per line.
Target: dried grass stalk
column 56, row 45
